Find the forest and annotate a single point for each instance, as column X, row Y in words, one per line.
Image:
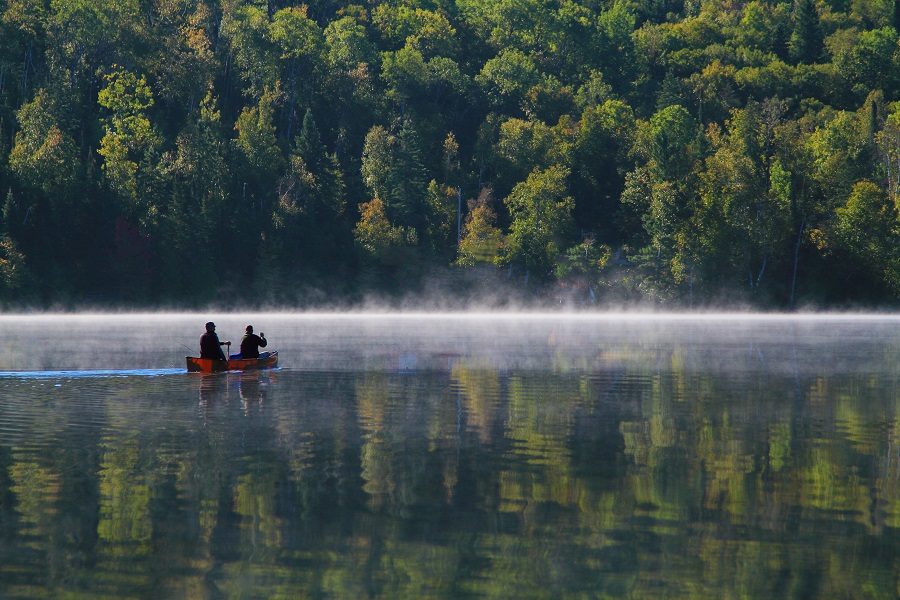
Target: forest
column 586, row 152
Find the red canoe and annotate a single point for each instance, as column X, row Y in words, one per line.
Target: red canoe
column 211, row 365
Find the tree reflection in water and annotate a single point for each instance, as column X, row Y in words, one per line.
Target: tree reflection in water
column 640, row 477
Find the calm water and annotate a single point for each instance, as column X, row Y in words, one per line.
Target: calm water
column 448, row 457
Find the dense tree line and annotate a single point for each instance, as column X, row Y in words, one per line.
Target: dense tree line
column 173, row 151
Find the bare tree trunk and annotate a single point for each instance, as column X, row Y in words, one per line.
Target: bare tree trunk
column 25, row 64
column 796, row 261
column 762, row 269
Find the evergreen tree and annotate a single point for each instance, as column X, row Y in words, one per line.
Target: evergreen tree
column 806, row 42
column 6, row 215
column 309, row 143
column 410, row 181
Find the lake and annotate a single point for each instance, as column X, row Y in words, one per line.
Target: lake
column 452, row 456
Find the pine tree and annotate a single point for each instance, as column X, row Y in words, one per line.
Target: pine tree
column 7, row 212
column 409, row 178
column 309, row 143
column 806, row 41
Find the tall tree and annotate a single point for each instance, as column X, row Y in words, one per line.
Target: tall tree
column 393, row 171
column 541, row 212
column 806, row 41
column 130, row 145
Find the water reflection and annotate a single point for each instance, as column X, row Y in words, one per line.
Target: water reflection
column 613, row 470
column 212, row 389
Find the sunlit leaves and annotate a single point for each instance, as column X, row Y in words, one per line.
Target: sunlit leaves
column 527, row 145
column 393, row 172
column 429, row 32
column 200, row 158
column 83, row 30
column 127, row 97
column 482, row 241
column 256, row 135
column 376, row 235
column 541, row 212
column 185, row 64
column 295, row 33
column 837, row 149
column 130, row 140
column 601, row 89
column 867, row 226
column 670, row 142
column 248, row 31
column 347, row 44
column 508, row 77
column 43, row 156
column 26, row 15
column 872, row 61
column 13, row 269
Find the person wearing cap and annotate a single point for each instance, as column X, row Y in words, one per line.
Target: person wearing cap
column 210, row 346
column 251, row 343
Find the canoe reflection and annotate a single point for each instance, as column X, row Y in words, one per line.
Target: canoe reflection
column 251, row 389
column 212, row 388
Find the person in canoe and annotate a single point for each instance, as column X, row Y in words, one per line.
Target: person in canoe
column 210, row 346
column 251, row 343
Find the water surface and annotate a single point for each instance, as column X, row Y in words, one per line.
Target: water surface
column 448, row 456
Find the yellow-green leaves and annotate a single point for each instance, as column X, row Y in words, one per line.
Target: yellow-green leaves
column 130, row 141
column 43, row 156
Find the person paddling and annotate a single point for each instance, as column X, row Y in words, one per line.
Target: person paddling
column 210, row 346
column 251, row 343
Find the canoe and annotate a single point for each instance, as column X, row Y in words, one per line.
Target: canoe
column 211, row 365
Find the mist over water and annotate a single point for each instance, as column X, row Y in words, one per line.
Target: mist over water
column 448, row 455
column 154, row 342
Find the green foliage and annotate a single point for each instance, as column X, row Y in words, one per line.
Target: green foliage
column 871, row 63
column 429, row 32
column 745, row 195
column 805, row 43
column 130, row 145
column 507, row 78
column 586, row 259
column 82, row 34
column 670, row 143
column 295, row 34
column 867, row 227
column 256, row 136
column 764, row 27
column 249, row 34
column 43, row 155
column 528, row 145
column 600, row 159
column 482, row 241
column 440, row 228
column 377, row 237
column 13, row 271
column 541, row 213
column 347, row 44
column 701, row 141
column 393, row 172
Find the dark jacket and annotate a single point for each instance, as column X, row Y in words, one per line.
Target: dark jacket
column 211, row 347
column 250, row 345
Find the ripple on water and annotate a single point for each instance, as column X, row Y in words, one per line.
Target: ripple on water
column 88, row 373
